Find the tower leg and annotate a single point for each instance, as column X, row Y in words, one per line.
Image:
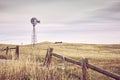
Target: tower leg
column 34, row 38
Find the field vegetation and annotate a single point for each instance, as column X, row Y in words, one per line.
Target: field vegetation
column 30, row 63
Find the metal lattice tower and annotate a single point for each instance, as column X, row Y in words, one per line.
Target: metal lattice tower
column 34, row 21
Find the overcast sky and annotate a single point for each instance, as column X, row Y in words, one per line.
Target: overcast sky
column 78, row 21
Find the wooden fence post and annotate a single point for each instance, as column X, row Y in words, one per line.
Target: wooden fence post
column 84, row 69
column 17, row 52
column 48, row 57
column 7, row 48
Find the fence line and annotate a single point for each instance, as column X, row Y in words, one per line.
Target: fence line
column 15, row 48
column 84, row 64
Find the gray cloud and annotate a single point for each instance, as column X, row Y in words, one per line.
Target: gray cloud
column 74, row 17
column 109, row 13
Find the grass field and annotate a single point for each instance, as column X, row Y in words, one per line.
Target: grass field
column 29, row 66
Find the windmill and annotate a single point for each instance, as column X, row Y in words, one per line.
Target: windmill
column 34, row 22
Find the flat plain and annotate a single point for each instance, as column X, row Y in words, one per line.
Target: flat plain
column 30, row 63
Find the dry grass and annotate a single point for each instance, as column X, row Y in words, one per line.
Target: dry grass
column 29, row 67
column 28, row 70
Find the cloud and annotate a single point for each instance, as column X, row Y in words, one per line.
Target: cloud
column 67, row 20
column 106, row 14
column 110, row 13
column 53, row 11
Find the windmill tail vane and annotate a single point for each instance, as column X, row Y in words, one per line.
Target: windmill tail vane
column 38, row 21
